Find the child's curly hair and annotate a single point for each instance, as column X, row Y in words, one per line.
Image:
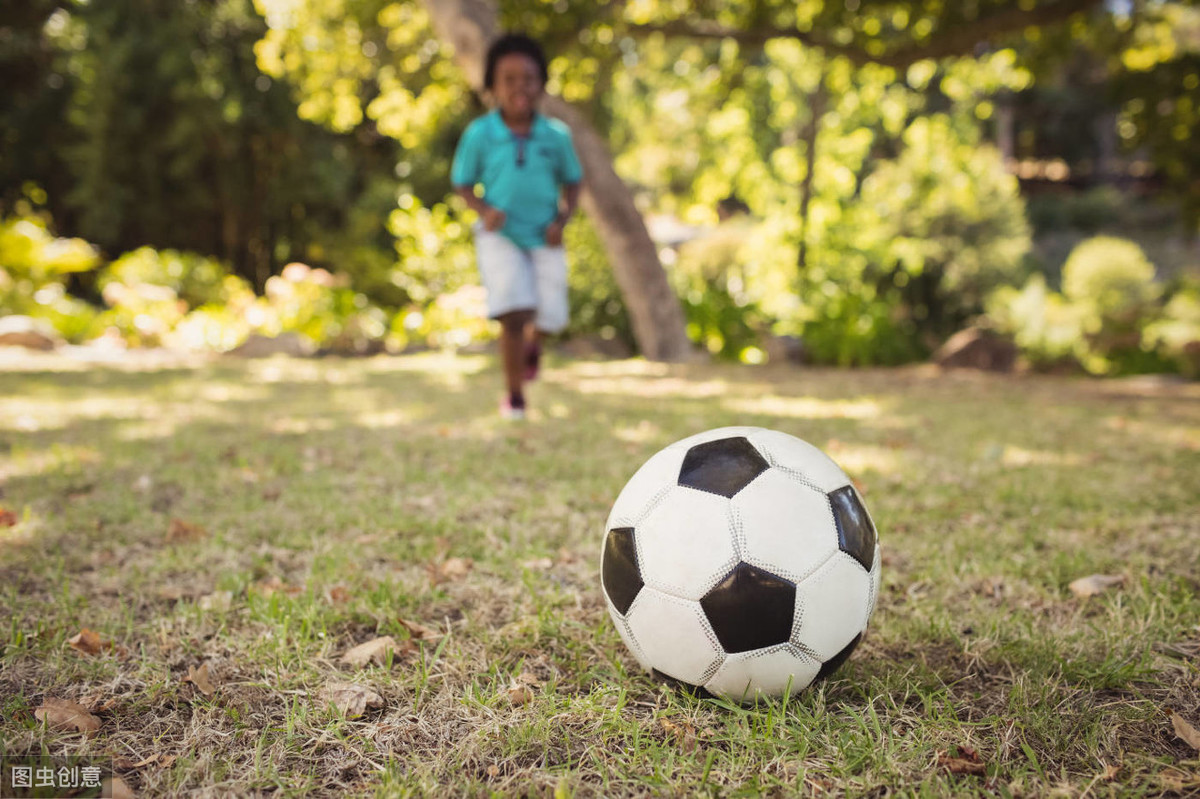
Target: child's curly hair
column 514, row 43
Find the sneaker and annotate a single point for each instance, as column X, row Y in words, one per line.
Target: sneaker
column 533, row 357
column 511, row 411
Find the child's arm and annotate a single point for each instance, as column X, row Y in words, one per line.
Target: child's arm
column 493, row 218
column 570, row 199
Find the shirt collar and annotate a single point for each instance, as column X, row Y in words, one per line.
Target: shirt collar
column 535, row 127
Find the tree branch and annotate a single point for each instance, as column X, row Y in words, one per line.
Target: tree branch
column 958, row 41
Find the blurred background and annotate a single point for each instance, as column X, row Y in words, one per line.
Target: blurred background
column 847, row 182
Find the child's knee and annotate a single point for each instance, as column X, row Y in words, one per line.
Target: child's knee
column 515, row 321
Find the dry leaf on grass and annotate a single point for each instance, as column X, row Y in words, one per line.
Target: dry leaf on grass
column 493, row 770
column 1110, row 772
column 374, row 651
column 419, row 631
column 8, row 518
column 89, row 642
column 63, row 714
column 127, row 764
column 450, row 569
column 180, row 531
column 1095, row 584
column 116, row 788
column 199, row 677
column 1186, row 732
column 274, row 585
column 217, row 601
column 520, row 694
column 338, row 594
column 684, row 734
column 968, row 762
column 351, row 698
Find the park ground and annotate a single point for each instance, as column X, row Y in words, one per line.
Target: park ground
column 225, row 531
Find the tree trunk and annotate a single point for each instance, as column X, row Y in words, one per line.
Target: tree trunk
column 469, row 26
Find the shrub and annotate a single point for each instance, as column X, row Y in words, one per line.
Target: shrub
column 34, row 265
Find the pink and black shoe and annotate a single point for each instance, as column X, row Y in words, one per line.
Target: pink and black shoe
column 512, row 407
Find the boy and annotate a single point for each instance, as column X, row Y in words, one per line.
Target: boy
column 530, row 176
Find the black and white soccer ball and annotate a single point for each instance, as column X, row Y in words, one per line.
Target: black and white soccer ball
column 741, row 562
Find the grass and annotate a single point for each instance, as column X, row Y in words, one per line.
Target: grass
column 331, row 495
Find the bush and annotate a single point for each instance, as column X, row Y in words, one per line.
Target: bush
column 34, row 265
column 1111, row 283
column 1047, row 328
column 946, row 219
column 1175, row 335
column 712, row 278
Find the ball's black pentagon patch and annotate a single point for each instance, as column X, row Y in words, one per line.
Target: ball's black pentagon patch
column 835, row 662
column 697, row 691
column 856, row 533
column 723, row 467
column 619, row 570
column 750, row 609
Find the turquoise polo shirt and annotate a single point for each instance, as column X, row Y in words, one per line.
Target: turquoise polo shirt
column 521, row 175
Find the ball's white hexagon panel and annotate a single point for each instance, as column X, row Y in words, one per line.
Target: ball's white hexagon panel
column 784, row 526
column 627, row 637
column 674, row 636
column 657, row 474
column 793, row 454
column 876, row 573
column 685, row 544
column 766, row 672
column 831, row 606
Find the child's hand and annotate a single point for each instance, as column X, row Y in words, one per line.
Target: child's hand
column 554, row 233
column 493, row 219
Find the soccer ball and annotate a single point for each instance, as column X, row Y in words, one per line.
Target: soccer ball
column 740, row 562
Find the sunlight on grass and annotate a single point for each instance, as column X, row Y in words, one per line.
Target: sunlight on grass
column 642, row 432
column 806, row 407
column 1018, row 456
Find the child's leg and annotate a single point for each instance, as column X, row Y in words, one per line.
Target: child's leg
column 512, row 352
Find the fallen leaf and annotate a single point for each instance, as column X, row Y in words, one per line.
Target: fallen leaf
column 373, row 651
column 180, row 531
column 351, row 698
column 493, row 771
column 338, row 594
column 968, row 762
column 1186, row 732
column 1095, row 584
column 116, row 788
column 89, row 642
column 8, row 518
column 684, row 734
column 520, row 694
column 453, row 569
column 63, row 714
column 528, row 678
column 273, row 585
column 1110, row 772
column 217, row 601
column 419, row 630
column 199, row 678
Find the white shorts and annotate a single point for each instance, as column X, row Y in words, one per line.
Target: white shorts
column 523, row 280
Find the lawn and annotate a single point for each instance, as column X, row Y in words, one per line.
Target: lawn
column 228, row 530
